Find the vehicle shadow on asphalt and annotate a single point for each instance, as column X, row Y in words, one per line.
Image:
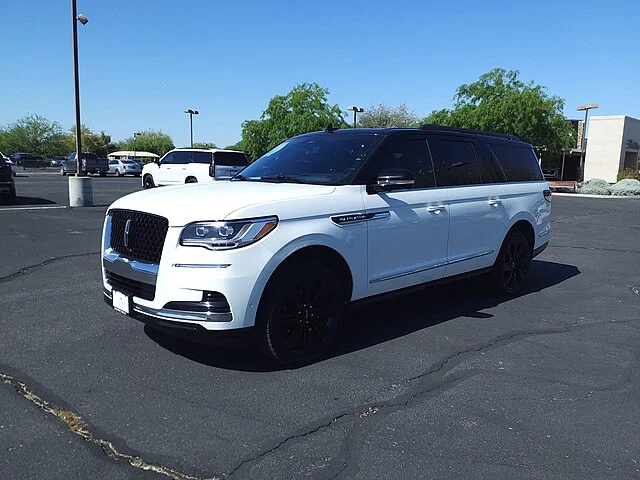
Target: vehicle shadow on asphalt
column 380, row 321
column 33, row 201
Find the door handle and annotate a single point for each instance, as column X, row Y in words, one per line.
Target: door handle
column 435, row 208
column 495, row 203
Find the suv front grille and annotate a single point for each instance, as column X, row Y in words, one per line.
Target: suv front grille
column 131, row 287
column 145, row 237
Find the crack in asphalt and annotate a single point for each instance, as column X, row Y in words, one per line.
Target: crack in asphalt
column 617, row 250
column 286, row 440
column 78, row 426
column 23, row 270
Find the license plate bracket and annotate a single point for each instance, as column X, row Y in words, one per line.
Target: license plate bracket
column 120, row 302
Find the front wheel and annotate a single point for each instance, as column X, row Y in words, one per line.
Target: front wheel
column 512, row 265
column 147, row 182
column 300, row 313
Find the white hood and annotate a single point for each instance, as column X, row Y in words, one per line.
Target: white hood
column 214, row 201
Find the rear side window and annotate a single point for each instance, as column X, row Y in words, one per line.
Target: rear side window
column 201, row 157
column 230, row 159
column 455, row 163
column 518, row 163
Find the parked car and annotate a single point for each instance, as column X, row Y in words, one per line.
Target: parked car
column 192, row 165
column 323, row 220
column 124, row 167
column 10, row 162
column 28, row 160
column 91, row 163
column 7, row 182
column 56, row 161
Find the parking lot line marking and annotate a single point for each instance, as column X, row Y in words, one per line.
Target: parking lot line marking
column 32, row 208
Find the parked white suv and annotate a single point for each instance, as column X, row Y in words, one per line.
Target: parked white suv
column 320, row 221
column 192, row 165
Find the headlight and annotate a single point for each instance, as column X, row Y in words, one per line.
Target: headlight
column 227, row 235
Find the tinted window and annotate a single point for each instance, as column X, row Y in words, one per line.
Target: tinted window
column 113, row 162
column 490, row 170
column 518, row 163
column 455, row 163
column 410, row 154
column 322, row 158
column 182, row 158
column 169, row 159
column 201, row 157
column 231, row 159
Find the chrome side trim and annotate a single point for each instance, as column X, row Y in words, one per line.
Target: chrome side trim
column 359, row 217
column 203, row 265
column 404, row 274
column 470, row 257
column 431, row 267
column 167, row 314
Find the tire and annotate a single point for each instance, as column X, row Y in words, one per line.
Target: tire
column 62, row 172
column 300, row 313
column 120, row 174
column 12, row 196
column 512, row 265
column 147, row 182
column 191, row 180
column 103, row 173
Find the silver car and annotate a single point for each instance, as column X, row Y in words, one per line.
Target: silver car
column 124, row 167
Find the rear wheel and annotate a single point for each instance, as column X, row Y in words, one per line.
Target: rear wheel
column 120, row 173
column 103, row 173
column 147, row 182
column 300, row 313
column 512, row 265
column 191, row 180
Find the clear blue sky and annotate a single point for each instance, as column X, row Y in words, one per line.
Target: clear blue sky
column 143, row 61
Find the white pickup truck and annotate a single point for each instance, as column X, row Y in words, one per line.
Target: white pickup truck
column 193, row 165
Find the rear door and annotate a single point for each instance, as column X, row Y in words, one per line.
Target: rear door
column 199, row 166
column 228, row 164
column 478, row 218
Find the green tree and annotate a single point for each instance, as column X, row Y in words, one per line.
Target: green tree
column 304, row 109
column 34, row 134
column 501, row 103
column 150, row 141
column 204, row 145
column 98, row 143
column 383, row 116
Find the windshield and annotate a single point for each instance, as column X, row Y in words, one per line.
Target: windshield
column 326, row 159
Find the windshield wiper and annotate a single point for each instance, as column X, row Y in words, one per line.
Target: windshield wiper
column 241, row 178
column 282, row 179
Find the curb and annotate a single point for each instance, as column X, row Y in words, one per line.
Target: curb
column 584, row 195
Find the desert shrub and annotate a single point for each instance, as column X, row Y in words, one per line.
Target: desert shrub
column 595, row 186
column 626, row 188
column 627, row 173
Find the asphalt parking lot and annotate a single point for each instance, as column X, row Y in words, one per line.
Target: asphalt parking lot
column 446, row 383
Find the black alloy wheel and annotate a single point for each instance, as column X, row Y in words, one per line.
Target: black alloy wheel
column 512, row 264
column 148, row 182
column 301, row 313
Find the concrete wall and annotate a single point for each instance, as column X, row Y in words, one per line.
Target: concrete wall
column 604, row 147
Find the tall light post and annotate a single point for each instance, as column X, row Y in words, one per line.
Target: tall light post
column 191, row 114
column 583, row 146
column 80, row 191
column 356, row 111
column 135, row 135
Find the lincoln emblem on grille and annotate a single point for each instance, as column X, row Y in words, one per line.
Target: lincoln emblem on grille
column 126, row 233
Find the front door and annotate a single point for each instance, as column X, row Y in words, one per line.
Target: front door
column 408, row 229
column 165, row 169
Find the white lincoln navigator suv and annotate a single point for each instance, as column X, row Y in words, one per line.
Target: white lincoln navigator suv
column 322, row 220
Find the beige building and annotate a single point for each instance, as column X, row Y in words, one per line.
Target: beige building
column 613, row 143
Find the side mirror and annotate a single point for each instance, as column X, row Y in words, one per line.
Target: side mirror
column 394, row 179
column 156, row 161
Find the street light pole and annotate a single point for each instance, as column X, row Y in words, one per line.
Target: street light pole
column 583, row 146
column 135, row 135
column 191, row 114
column 355, row 111
column 80, row 190
column 74, row 23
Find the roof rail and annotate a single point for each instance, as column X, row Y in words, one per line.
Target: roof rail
column 428, row 126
